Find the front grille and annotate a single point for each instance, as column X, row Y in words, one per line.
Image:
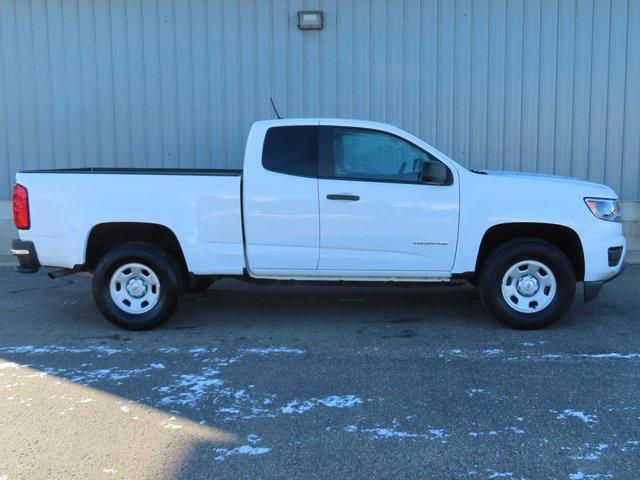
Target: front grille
column 614, row 256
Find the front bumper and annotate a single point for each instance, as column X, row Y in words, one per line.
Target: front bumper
column 27, row 256
column 592, row 289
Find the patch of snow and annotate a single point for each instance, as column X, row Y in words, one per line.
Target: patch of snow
column 113, row 373
column 501, row 475
column 384, row 433
column 493, row 433
column 4, row 365
column 190, row 388
column 588, row 419
column 200, row 350
column 473, row 391
column 595, row 454
column 493, row 351
column 333, row 401
column 109, row 471
column 243, row 450
column 626, row 356
column 228, row 410
column 267, row 351
column 519, row 431
column 170, row 425
column 586, row 476
column 31, row 349
column 124, row 409
column 389, row 433
column 251, row 449
column 157, row 365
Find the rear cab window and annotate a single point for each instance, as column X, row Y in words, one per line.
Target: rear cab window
column 292, row 150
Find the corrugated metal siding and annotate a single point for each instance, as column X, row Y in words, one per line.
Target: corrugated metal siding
column 534, row 85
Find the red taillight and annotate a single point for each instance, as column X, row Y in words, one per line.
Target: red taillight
column 21, row 207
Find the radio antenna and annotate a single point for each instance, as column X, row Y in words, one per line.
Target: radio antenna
column 273, row 105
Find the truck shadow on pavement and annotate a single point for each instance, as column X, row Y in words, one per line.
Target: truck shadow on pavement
column 316, row 382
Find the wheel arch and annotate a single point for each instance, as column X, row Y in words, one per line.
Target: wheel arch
column 105, row 236
column 562, row 237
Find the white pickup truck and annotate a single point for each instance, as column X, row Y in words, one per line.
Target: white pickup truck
column 322, row 200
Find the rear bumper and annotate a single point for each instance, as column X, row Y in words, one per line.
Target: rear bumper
column 592, row 289
column 25, row 251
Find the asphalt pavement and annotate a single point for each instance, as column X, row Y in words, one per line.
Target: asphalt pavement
column 294, row 382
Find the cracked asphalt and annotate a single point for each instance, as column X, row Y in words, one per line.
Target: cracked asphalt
column 294, row 382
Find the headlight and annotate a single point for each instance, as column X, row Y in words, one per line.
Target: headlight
column 604, row 208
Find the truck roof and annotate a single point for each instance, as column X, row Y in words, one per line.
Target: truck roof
column 352, row 122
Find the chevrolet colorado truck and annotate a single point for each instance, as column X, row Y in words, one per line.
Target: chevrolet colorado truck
column 322, row 200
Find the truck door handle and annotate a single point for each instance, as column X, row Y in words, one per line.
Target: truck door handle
column 343, row 196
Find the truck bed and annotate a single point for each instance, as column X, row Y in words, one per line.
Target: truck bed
column 201, row 207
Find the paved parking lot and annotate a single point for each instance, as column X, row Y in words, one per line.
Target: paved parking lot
column 316, row 382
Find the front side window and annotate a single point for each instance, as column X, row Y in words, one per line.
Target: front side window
column 371, row 155
column 292, row 150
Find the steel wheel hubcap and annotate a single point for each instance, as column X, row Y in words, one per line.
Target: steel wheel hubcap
column 134, row 288
column 529, row 286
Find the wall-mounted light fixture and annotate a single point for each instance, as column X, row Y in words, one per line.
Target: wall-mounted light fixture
column 310, row 20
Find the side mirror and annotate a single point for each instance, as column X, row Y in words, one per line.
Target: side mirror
column 434, row 173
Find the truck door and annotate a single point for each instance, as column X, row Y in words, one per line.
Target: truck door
column 280, row 200
column 386, row 206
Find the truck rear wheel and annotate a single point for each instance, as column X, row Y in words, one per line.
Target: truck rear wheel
column 528, row 284
column 136, row 286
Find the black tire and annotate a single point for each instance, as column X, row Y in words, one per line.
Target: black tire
column 161, row 264
column 199, row 284
column 506, row 257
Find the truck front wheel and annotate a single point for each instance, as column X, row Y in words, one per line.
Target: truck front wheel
column 136, row 286
column 527, row 284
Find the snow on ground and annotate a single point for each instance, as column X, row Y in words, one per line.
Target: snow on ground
column 587, row 476
column 592, row 452
column 567, row 413
column 394, row 432
column 267, row 351
column 334, row 401
column 30, row 349
column 493, row 351
column 205, row 387
column 248, row 449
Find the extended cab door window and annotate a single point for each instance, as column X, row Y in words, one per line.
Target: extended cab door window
column 377, row 156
